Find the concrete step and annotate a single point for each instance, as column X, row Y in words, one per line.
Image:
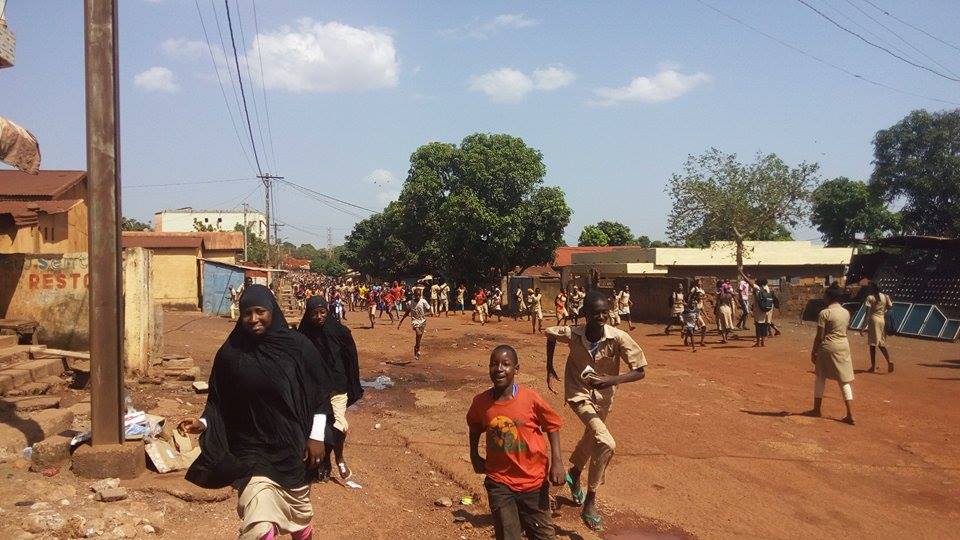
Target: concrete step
column 22, row 404
column 18, row 431
column 8, row 340
column 21, row 373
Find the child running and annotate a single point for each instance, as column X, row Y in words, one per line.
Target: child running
column 514, row 419
column 691, row 316
column 417, row 311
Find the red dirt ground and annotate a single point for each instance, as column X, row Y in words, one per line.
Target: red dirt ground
column 708, row 445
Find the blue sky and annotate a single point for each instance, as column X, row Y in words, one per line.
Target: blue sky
column 615, row 94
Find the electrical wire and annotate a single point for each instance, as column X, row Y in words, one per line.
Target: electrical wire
column 901, row 38
column 246, row 111
column 263, row 86
column 917, row 28
column 881, row 47
column 318, row 198
column 226, row 102
column 253, row 93
column 324, row 195
column 226, row 63
column 821, row 60
column 189, row 183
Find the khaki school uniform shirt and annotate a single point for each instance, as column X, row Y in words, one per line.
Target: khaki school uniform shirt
column 616, row 346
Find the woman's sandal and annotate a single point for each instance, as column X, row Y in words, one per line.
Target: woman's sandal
column 577, row 494
column 593, row 522
column 345, row 472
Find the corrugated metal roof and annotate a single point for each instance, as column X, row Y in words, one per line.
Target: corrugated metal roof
column 26, row 212
column 45, row 185
column 152, row 240
column 222, row 240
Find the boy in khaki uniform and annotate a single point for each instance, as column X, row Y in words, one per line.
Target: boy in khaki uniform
column 591, row 376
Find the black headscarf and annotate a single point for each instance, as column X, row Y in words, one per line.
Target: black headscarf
column 264, row 393
column 337, row 348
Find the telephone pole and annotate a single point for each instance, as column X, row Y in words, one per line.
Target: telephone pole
column 246, row 231
column 268, row 188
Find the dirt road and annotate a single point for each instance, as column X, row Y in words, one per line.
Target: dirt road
column 708, row 445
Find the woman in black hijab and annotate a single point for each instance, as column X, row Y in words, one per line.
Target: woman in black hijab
column 264, row 422
column 336, row 346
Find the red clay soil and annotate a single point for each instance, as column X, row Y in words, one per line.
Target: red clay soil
column 709, row 445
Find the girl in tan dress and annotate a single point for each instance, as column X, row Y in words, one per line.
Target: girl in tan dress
column 831, row 352
column 877, row 305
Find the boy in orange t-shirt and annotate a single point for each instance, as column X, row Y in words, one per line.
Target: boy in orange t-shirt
column 514, row 419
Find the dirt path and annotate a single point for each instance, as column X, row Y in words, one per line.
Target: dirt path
column 708, row 445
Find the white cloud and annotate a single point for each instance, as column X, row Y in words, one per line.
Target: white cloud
column 327, row 57
column 183, row 48
column 508, row 85
column 552, row 78
column 157, row 79
column 380, row 177
column 481, row 29
column 668, row 84
column 504, row 85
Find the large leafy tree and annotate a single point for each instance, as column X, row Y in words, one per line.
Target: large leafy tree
column 917, row 161
column 717, row 197
column 471, row 212
column 843, row 208
column 591, row 235
column 133, row 224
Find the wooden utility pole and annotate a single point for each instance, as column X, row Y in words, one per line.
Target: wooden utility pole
column 103, row 180
column 246, row 230
column 268, row 189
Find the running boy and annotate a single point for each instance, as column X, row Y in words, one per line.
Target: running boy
column 417, row 311
column 514, row 419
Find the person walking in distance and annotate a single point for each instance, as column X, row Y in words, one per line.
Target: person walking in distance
column 623, row 305
column 763, row 304
column 591, row 376
column 536, row 310
column 877, row 305
column 677, row 305
column 445, row 297
column 830, row 353
column 461, row 298
column 743, row 295
column 417, row 311
column 521, row 303
column 560, row 305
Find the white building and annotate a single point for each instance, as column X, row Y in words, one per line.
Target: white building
column 184, row 220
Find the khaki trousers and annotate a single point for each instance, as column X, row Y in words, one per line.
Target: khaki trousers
column 596, row 446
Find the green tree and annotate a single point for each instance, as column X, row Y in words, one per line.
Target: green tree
column 592, row 235
column 203, row 227
column 471, row 212
column 256, row 247
column 719, row 198
column 917, row 161
column 618, row 233
column 843, row 208
column 132, row 224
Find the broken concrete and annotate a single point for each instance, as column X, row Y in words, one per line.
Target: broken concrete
column 21, row 373
column 29, row 403
column 53, row 451
column 20, row 430
column 110, row 460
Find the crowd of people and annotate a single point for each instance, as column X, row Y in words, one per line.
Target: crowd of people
column 277, row 407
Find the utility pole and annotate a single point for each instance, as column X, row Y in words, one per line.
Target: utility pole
column 330, row 240
column 103, row 177
column 246, row 231
column 268, row 188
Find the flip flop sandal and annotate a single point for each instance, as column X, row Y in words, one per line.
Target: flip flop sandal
column 345, row 472
column 593, row 522
column 576, row 494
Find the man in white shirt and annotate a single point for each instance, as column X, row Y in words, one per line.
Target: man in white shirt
column 418, row 319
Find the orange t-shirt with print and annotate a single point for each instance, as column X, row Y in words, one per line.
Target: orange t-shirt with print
column 516, row 447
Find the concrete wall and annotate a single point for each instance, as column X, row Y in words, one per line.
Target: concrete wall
column 51, row 289
column 54, row 233
column 227, row 256
column 143, row 335
column 222, row 221
column 176, row 277
column 803, row 272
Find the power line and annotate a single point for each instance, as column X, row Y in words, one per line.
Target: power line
column 253, row 93
column 901, row 38
column 223, row 51
column 263, row 86
column 223, row 92
column 190, row 183
column 821, row 60
column 881, row 47
column 323, row 201
column 324, row 195
column 917, row 28
column 246, row 111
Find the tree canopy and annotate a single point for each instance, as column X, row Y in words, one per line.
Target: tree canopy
column 133, row 224
column 471, row 212
column 591, row 235
column 718, row 198
column 917, row 161
column 608, row 233
column 843, row 208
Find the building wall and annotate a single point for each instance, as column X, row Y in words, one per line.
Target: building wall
column 227, row 256
column 176, row 277
column 54, row 233
column 223, row 221
column 804, row 272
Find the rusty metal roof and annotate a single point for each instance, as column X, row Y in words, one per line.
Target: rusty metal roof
column 27, row 212
column 44, row 185
column 155, row 240
column 222, row 240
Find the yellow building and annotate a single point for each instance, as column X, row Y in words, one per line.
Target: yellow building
column 43, row 213
column 177, row 270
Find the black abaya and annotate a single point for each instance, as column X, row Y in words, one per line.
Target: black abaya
column 337, row 347
column 264, row 393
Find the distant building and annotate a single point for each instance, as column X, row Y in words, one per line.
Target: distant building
column 184, row 219
column 43, row 213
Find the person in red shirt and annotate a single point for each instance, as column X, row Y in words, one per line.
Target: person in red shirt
column 480, row 306
column 388, row 301
column 514, row 419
